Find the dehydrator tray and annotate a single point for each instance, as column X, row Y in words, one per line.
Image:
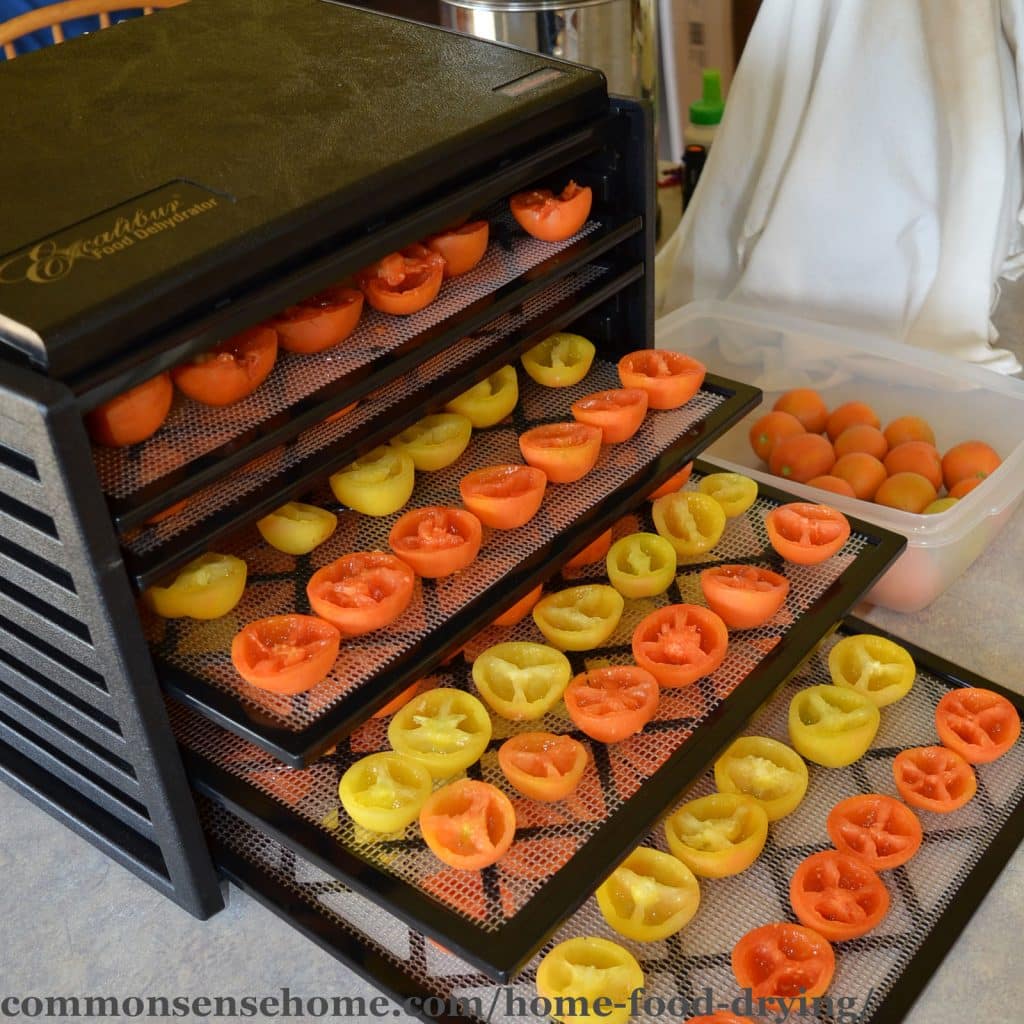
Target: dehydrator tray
column 933, row 895
column 495, row 919
column 200, row 443
column 192, row 658
column 263, row 483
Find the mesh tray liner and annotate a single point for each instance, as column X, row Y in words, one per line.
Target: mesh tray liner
column 193, row 429
column 277, row 581
column 548, row 834
column 867, row 969
column 337, row 433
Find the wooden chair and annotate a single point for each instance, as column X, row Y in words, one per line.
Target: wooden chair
column 54, row 16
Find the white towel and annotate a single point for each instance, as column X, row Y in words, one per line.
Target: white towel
column 868, row 172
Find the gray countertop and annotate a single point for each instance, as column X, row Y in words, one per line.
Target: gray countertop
column 75, row 923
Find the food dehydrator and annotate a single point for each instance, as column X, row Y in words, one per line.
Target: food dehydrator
column 214, row 165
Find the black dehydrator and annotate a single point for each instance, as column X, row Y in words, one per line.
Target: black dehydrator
column 202, row 170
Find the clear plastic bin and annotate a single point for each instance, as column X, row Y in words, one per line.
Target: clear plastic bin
column 962, row 402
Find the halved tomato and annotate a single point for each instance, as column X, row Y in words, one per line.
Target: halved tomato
column 618, row 413
column 542, row 765
column 881, row 831
column 462, row 248
column 504, row 497
column 676, row 482
column 398, row 702
column 978, row 724
column 934, row 779
column 468, row 824
column 680, row 643
column 232, row 370
column 132, row 416
column 612, row 703
column 593, row 552
column 403, row 282
column 837, row 895
column 565, row 452
column 361, row 592
column 539, row 212
column 669, row 378
column 322, row 320
column 783, row 961
column 521, row 608
column 436, row 541
column 805, row 533
column 743, row 596
column 285, row 653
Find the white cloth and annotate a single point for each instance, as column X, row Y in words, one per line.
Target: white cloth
column 868, row 172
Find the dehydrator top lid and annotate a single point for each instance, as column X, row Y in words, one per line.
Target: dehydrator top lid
column 151, row 168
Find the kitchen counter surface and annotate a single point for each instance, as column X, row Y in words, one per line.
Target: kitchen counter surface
column 75, row 923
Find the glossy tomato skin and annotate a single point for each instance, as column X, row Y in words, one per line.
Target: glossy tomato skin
column 504, row 497
column 807, row 406
column 980, row 725
column 680, row 643
column 613, row 703
column 969, row 459
column 384, row 792
column 543, row 766
column 436, row 541
column 579, row 618
column 641, row 565
column 521, row 608
column 802, row 457
column 847, row 415
column 743, row 596
column 560, row 360
column 461, row 248
column 879, row 830
column 489, row 401
column 591, row 969
column 838, row 896
column 834, row 484
column 551, row 218
column 403, row 283
column 285, row 654
column 361, row 592
column 770, row 429
column 444, row 729
column 733, row 491
column 832, row 726
column 564, row 452
column 874, row 666
column 133, row 416
column 230, row 371
column 319, row 322
column 763, row 768
column 436, row 441
column 806, row 534
column 468, row 824
column 376, row 484
column 618, row 413
column 520, row 680
column 934, row 779
column 718, row 835
column 207, row 588
column 805, row 967
column 296, row 528
column 670, row 379
column 624, row 897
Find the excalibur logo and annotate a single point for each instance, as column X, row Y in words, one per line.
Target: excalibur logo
column 52, row 260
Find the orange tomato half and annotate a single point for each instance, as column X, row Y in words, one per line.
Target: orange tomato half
column 468, row 824
column 320, row 321
column 436, row 541
column 361, row 592
column 564, row 452
column 403, row 282
column 618, row 413
column 286, row 653
column 806, row 534
column 743, row 596
column 539, row 212
column 231, row 371
column 504, row 497
column 593, row 552
column 676, row 482
column 670, row 379
column 680, row 643
column 462, row 248
column 133, row 416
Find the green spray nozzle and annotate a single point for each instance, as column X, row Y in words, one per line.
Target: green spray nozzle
column 710, row 107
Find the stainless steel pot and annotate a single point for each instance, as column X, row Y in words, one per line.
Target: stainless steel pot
column 616, row 36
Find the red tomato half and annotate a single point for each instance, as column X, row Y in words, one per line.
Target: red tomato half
column 504, row 496
column 610, row 704
column 618, row 413
column 978, row 724
column 879, row 830
column 436, row 541
column 806, row 534
column 783, row 961
column 320, row 321
column 133, row 416
column 539, row 212
column 285, row 653
column 462, row 248
column 468, row 824
column 361, row 592
column 403, row 282
column 669, row 378
column 565, row 452
column 231, row 371
column 680, row 644
column 837, row 895
column 743, row 596
column 934, row 779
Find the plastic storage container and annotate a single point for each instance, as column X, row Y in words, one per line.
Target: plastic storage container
column 962, row 402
